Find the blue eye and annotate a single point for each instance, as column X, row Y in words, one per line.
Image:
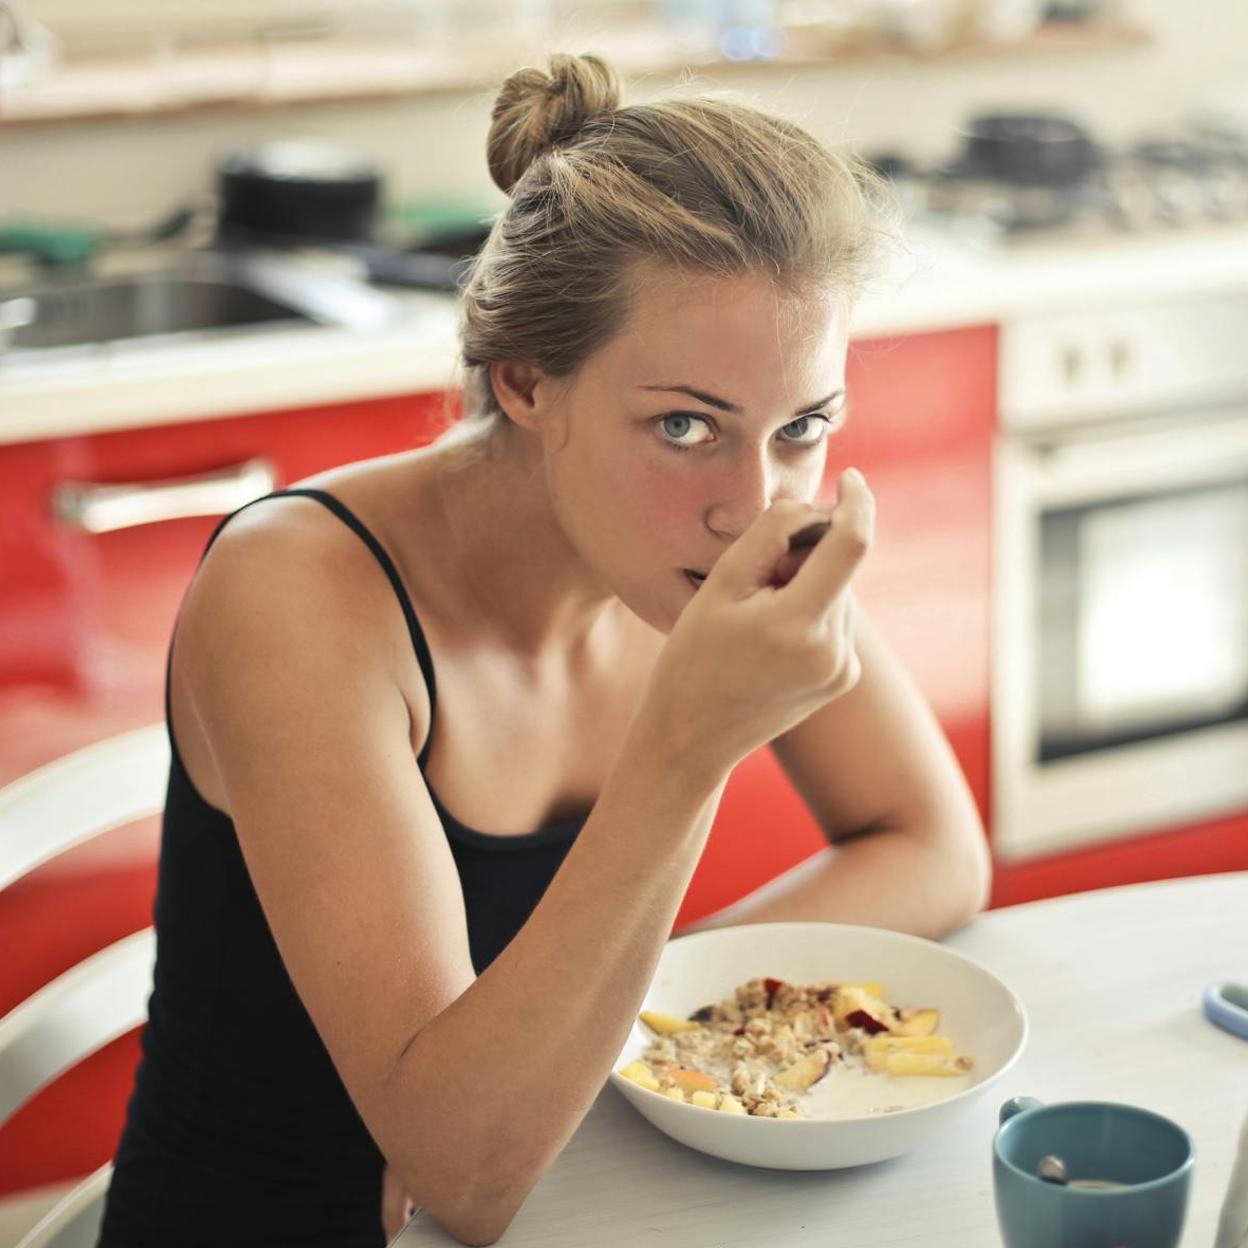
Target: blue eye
column 678, row 425
column 814, row 426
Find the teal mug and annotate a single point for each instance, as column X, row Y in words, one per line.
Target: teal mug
column 1128, row 1170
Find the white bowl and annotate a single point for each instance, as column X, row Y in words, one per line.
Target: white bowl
column 978, row 1013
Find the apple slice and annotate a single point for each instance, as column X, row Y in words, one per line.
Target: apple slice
column 904, row 1063
column 640, row 1073
column 855, row 1007
column 806, row 1071
column 878, row 1049
column 912, row 1044
column 916, row 1022
column 666, row 1024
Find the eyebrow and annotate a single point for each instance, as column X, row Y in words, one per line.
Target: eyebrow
column 724, row 406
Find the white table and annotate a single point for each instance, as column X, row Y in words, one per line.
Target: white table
column 1111, row 982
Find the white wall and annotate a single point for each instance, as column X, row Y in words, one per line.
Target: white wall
column 125, row 172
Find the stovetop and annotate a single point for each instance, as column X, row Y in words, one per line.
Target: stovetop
column 1192, row 176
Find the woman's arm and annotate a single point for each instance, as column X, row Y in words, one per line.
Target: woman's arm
column 908, row 850
column 470, row 1085
column 296, row 658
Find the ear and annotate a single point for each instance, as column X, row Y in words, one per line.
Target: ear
column 515, row 388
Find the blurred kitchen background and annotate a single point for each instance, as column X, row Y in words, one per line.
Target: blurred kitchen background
column 230, row 238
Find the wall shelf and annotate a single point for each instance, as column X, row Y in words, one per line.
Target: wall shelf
column 284, row 74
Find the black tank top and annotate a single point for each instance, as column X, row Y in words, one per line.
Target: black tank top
column 239, row 1130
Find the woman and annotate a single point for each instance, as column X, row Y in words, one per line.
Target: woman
column 575, row 613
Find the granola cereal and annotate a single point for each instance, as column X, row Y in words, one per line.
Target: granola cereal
column 761, row 1050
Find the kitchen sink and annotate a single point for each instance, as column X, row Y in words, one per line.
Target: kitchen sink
column 204, row 294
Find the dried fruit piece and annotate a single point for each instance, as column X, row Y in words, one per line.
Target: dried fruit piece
column 692, row 1080
column 806, row 1071
column 666, row 1024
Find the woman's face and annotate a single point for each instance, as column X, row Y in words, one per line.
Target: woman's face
column 717, row 398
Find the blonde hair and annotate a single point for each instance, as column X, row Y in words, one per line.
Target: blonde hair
column 703, row 186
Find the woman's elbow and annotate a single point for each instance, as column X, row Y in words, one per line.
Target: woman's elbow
column 478, row 1239
column 484, row 1218
column 476, row 1230
column 974, row 875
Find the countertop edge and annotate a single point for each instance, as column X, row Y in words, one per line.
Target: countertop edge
column 933, row 283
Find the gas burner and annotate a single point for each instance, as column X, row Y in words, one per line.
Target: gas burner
column 1191, row 177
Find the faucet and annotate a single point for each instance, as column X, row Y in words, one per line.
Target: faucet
column 12, row 35
column 14, row 314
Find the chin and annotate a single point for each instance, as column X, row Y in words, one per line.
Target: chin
column 652, row 610
column 662, row 620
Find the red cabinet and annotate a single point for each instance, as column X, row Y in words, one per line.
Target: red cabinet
column 85, row 616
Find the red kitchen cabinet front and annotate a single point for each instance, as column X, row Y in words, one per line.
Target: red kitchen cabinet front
column 1197, row 849
column 86, row 616
column 85, row 620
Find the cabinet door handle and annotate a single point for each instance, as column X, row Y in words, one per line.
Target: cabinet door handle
column 94, row 508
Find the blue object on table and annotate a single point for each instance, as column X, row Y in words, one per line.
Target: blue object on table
column 1226, row 1004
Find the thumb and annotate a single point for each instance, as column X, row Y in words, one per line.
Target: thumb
column 752, row 561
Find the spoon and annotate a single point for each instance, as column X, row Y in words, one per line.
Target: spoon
column 810, row 535
column 1052, row 1170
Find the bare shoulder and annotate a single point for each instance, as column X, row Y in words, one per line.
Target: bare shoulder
column 287, row 582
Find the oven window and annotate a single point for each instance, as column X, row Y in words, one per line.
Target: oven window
column 1142, row 618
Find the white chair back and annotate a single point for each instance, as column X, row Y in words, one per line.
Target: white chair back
column 43, row 814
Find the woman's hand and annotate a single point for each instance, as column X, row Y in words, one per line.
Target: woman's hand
column 768, row 638
column 396, row 1204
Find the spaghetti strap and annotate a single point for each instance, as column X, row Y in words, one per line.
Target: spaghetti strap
column 349, row 518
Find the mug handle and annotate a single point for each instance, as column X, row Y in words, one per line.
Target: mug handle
column 1017, row 1105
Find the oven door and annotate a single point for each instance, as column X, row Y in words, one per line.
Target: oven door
column 1120, row 671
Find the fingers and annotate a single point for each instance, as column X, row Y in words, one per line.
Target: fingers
column 752, row 560
column 826, row 570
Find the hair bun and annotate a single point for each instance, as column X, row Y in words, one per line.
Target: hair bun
column 535, row 111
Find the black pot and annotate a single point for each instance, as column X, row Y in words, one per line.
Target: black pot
column 1029, row 149
column 303, row 190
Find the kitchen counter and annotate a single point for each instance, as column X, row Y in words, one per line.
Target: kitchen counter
column 936, row 281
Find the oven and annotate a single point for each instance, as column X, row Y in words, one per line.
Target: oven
column 1120, row 664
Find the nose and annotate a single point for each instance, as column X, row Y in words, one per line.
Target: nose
column 741, row 492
